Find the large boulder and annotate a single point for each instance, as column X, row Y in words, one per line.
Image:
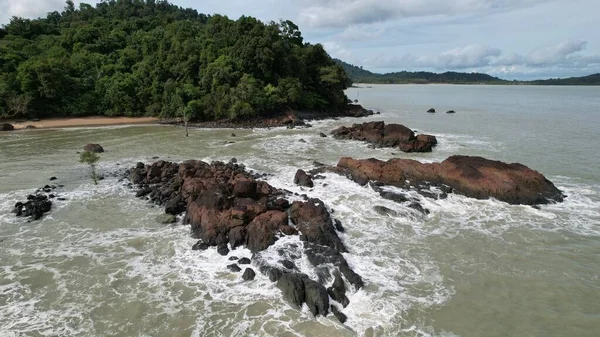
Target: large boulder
column 303, row 179
column 6, row 127
column 387, row 135
column 356, row 110
column 96, row 148
column 263, row 229
column 314, row 221
column 475, row 177
column 292, row 287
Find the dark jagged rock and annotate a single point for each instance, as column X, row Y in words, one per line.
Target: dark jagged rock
column 303, row 179
column 234, row 268
column 338, row 314
column 53, row 178
column 292, row 287
column 319, row 255
column 249, row 274
column 35, row 207
column 474, row 177
column 244, row 260
column 382, row 210
column 432, row 110
column 316, row 297
column 233, row 258
column 200, row 246
column 338, row 226
column 93, row 148
column 314, row 221
column 356, row 110
column 337, row 291
column 222, row 249
column 288, row 264
column 380, row 134
column 418, row 207
column 322, row 135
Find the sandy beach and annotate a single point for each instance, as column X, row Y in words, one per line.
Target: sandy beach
column 83, row 121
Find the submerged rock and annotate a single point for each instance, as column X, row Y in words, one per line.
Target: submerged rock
column 380, row 134
column 432, row 110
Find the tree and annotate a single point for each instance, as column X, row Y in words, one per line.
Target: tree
column 131, row 57
column 90, row 158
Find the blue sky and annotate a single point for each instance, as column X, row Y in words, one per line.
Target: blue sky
column 512, row 39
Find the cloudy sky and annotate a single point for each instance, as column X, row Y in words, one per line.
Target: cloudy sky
column 512, row 39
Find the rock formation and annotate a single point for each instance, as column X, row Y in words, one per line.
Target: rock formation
column 390, row 135
column 227, row 207
column 474, row 177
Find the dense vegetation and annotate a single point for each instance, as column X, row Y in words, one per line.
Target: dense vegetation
column 149, row 57
column 359, row 75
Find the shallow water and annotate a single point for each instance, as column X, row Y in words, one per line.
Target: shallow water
column 101, row 265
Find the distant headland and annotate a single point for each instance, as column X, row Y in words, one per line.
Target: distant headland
column 360, row 75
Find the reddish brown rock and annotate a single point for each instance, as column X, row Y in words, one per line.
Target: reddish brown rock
column 470, row 176
column 390, row 135
column 227, row 207
column 314, row 221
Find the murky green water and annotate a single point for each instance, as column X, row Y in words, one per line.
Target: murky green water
column 101, row 265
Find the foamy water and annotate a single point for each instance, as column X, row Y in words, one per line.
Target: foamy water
column 100, row 264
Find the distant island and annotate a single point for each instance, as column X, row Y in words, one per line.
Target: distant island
column 360, row 75
column 152, row 58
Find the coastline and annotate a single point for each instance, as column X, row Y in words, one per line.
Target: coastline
column 68, row 122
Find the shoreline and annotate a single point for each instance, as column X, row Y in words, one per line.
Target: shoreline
column 69, row 122
column 284, row 119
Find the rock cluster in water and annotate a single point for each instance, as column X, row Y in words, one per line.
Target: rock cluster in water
column 228, row 207
column 474, row 177
column 387, row 135
column 37, row 204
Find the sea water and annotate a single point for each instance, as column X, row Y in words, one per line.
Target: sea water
column 100, row 264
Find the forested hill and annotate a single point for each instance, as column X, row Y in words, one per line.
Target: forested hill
column 149, row 57
column 359, row 75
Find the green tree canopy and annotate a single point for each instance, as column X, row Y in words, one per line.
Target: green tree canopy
column 149, row 57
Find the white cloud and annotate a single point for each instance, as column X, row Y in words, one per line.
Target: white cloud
column 343, row 13
column 566, row 54
column 29, row 8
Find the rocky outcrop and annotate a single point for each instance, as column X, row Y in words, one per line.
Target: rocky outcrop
column 6, row 127
column 37, row 204
column 228, row 207
column 356, row 110
column 35, row 207
column 303, row 179
column 387, row 135
column 474, row 177
column 93, row 148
